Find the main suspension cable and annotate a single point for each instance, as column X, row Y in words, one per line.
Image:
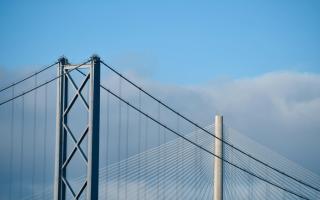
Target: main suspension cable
column 207, row 132
column 28, row 77
column 43, row 84
column 204, row 149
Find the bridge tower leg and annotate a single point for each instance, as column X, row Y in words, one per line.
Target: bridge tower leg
column 92, row 104
column 218, row 163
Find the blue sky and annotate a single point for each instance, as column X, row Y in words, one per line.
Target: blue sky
column 180, row 42
column 261, row 49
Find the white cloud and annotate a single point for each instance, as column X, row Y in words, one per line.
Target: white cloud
column 279, row 109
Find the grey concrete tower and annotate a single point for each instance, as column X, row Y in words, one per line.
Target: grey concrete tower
column 218, row 163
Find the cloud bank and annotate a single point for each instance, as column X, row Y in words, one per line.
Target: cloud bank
column 281, row 110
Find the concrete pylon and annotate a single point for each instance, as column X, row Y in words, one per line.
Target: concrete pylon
column 218, row 164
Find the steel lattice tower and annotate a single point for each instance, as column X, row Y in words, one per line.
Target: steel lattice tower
column 91, row 132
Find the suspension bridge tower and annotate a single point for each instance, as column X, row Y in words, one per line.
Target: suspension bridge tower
column 91, row 132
